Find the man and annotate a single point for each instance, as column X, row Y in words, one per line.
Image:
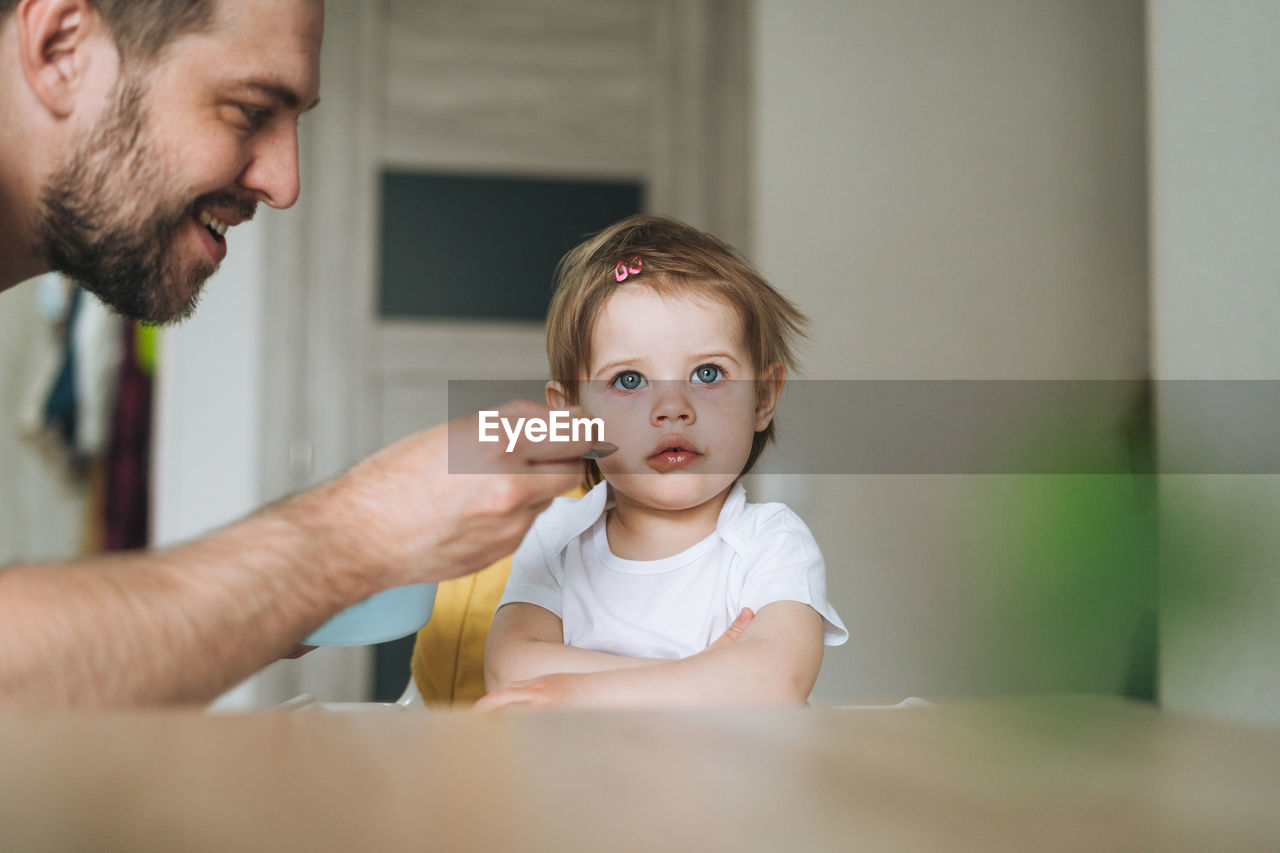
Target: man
column 133, row 135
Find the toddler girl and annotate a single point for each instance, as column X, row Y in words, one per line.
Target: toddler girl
column 662, row 585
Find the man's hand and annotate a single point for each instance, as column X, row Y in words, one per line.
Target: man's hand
column 402, row 513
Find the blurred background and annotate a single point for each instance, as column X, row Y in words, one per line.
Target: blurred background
column 987, row 189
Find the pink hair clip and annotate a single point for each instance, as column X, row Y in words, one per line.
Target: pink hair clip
column 631, row 267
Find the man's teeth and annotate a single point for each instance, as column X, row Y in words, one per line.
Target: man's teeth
column 213, row 223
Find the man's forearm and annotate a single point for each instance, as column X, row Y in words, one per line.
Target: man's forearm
column 185, row 624
column 181, row 625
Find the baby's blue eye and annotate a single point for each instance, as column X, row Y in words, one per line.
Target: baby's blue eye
column 629, row 380
column 707, row 374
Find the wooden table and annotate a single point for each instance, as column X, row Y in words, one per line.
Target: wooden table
column 1077, row 774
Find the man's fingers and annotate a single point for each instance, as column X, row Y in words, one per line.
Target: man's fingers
column 553, row 452
column 539, row 507
column 537, row 493
column 520, row 437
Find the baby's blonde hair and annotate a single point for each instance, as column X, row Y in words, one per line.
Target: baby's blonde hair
column 678, row 259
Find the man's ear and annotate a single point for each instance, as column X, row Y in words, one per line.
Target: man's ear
column 768, row 392
column 555, row 396
column 56, row 49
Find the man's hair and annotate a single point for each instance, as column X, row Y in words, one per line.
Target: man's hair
column 675, row 258
column 142, row 28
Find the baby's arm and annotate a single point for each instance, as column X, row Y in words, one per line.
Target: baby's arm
column 775, row 661
column 527, row 641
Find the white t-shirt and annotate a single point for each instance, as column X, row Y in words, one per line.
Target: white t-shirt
column 673, row 607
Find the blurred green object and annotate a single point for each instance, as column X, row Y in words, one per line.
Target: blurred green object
column 146, row 344
column 1068, row 564
column 1070, row 580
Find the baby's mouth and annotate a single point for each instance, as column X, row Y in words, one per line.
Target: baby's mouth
column 673, row 453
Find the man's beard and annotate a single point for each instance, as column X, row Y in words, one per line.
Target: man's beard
column 109, row 218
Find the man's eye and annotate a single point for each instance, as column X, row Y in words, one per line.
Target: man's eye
column 629, row 380
column 707, row 374
column 256, row 117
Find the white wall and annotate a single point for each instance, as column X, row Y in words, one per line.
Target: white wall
column 208, row 420
column 1215, row 138
column 207, row 414
column 951, row 190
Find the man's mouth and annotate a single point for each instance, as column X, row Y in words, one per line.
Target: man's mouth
column 217, row 227
column 214, row 228
column 216, row 214
column 673, row 452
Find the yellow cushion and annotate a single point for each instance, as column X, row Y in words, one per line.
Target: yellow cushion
column 448, row 657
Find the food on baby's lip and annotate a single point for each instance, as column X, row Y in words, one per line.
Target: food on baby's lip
column 674, row 451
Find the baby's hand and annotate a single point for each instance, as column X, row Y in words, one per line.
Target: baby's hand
column 559, row 688
column 734, row 631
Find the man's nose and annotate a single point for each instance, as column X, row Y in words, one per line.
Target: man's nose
column 672, row 405
column 272, row 173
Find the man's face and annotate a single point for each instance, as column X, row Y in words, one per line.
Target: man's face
column 187, row 148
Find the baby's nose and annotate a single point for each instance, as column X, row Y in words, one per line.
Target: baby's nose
column 672, row 406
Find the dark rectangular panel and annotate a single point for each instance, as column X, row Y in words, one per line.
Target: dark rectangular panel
column 485, row 247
